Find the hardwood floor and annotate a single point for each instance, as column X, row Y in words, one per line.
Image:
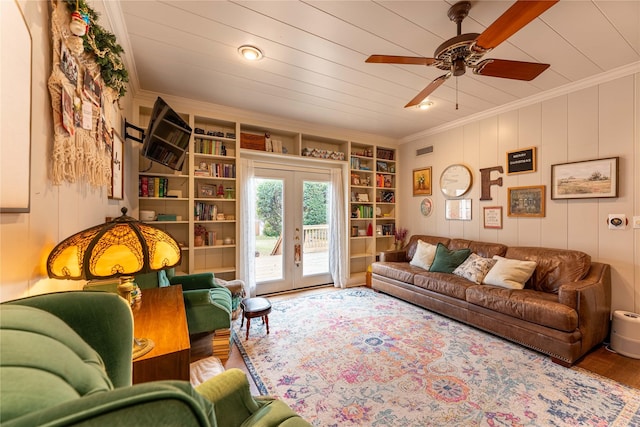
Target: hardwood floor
column 601, row 361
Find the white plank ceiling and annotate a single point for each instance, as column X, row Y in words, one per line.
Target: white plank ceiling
column 314, row 67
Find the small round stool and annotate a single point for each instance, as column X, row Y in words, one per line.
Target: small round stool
column 255, row 307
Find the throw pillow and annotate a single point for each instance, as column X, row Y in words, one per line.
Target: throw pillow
column 446, row 260
column 509, row 273
column 425, row 252
column 475, row 268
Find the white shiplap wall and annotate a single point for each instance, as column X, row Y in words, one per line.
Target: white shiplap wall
column 594, row 122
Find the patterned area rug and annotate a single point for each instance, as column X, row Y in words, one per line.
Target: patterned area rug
column 355, row 357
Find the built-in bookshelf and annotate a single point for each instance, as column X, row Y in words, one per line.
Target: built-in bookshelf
column 202, row 197
column 372, row 204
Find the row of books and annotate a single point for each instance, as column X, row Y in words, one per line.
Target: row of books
column 163, row 154
column 356, row 164
column 384, row 154
column 362, row 211
column 388, row 229
column 205, row 211
column 149, row 186
column 383, row 181
column 177, row 137
column 216, row 170
column 208, row 146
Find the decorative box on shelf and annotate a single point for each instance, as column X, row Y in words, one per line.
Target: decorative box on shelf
column 252, row 141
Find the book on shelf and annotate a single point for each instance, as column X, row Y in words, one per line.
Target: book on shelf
column 153, row 186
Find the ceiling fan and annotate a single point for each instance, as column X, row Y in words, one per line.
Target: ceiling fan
column 466, row 50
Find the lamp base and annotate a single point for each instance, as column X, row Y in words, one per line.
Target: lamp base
column 142, row 346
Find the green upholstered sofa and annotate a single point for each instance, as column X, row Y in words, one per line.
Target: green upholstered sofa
column 65, row 360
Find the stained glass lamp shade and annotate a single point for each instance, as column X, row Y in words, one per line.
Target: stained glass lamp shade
column 124, row 246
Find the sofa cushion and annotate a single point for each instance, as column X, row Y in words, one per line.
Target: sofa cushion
column 444, row 284
column 532, row 306
column 484, row 249
column 425, row 253
column 447, row 260
column 554, row 266
column 43, row 362
column 401, row 271
column 509, row 273
column 474, row 268
column 413, row 243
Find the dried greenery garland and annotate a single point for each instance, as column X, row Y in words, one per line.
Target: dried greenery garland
column 103, row 45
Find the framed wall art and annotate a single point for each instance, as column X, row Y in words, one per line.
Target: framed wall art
column 422, row 182
column 117, row 168
column 585, row 179
column 492, row 216
column 15, row 120
column 206, row 190
column 459, row 209
column 521, row 161
column 526, row 201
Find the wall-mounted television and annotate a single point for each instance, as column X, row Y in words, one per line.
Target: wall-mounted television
column 167, row 136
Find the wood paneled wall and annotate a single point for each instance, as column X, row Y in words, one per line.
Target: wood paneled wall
column 596, row 122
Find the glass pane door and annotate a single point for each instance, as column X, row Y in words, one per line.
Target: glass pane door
column 291, row 230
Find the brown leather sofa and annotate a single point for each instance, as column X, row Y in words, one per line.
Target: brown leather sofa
column 563, row 311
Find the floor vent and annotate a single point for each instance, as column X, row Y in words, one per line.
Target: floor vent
column 425, row 150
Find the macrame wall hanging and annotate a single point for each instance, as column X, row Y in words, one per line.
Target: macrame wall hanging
column 84, row 107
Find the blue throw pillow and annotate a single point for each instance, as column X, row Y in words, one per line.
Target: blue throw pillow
column 446, row 260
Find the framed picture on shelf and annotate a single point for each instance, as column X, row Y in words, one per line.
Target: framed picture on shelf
column 526, row 201
column 117, row 168
column 492, row 216
column 521, row 161
column 206, row 190
column 422, row 182
column 458, row 209
column 586, row 179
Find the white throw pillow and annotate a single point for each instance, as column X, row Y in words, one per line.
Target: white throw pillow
column 509, row 273
column 474, row 268
column 425, row 253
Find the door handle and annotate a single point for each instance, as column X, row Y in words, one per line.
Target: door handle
column 297, row 249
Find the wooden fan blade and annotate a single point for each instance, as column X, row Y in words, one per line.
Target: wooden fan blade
column 506, row 69
column 427, row 90
column 515, row 18
column 406, row 60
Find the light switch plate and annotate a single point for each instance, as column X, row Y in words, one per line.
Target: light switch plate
column 617, row 221
column 636, row 222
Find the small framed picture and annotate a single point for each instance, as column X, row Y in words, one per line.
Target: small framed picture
column 363, row 197
column 586, row 179
column 206, row 190
column 521, row 161
column 458, row 209
column 526, row 201
column 492, row 216
column 422, row 182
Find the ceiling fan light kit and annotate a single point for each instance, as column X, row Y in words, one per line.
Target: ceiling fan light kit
column 466, row 50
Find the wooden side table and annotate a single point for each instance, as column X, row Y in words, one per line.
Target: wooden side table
column 161, row 317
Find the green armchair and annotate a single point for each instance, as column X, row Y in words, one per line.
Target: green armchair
column 65, row 359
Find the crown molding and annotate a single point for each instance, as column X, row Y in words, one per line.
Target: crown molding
column 595, row 80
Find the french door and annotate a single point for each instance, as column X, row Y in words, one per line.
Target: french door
column 292, row 229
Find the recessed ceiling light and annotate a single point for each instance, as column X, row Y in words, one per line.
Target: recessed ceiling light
column 250, row 53
column 425, row 105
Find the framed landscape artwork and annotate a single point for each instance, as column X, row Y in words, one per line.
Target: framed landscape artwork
column 585, row 179
column 422, row 182
column 526, row 201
